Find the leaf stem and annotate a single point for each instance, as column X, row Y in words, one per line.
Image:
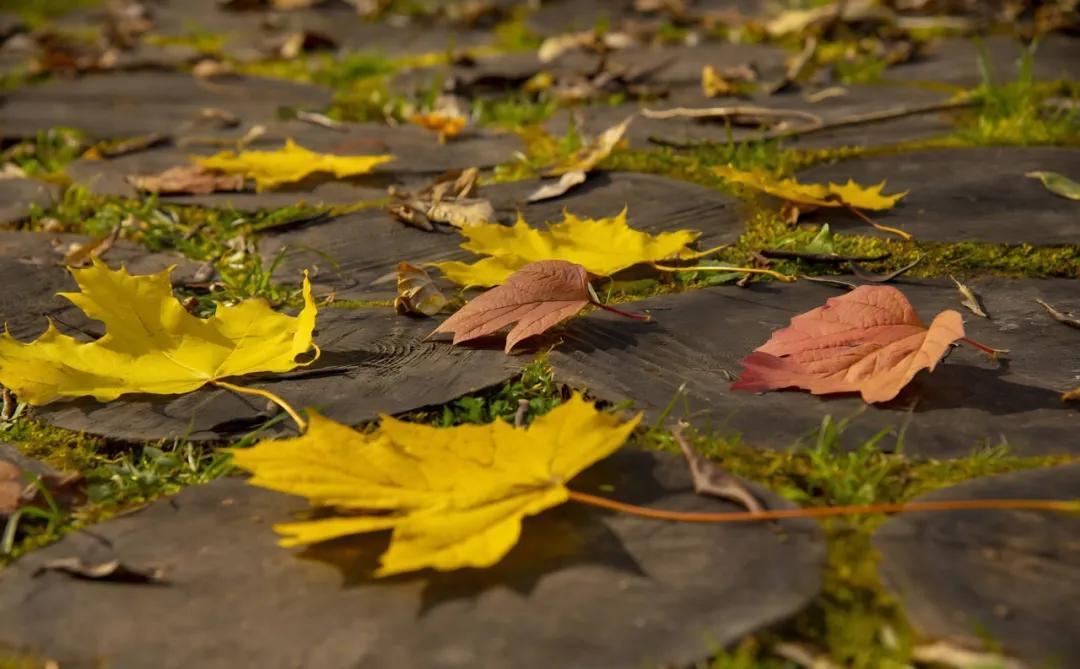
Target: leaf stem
column 992, row 352
column 884, row 228
column 825, row 511
column 724, row 268
column 301, row 424
column 629, row 314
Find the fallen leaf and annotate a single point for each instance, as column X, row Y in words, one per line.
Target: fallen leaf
column 710, row 479
column 1058, row 184
column 589, row 155
column 446, row 125
column 12, row 485
column 730, row 81
column 80, row 255
column 151, row 343
column 1060, row 316
column 558, row 188
column 850, row 194
column 537, row 297
column 453, row 497
column 417, row 293
column 603, row 246
column 270, row 169
column 461, row 212
column 446, row 200
column 868, row 341
column 555, row 46
column 971, row 300
column 187, row 180
column 113, row 571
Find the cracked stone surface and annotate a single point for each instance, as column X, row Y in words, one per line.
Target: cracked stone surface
column 682, row 588
column 698, row 338
column 1009, row 574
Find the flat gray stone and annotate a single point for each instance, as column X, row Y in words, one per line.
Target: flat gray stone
column 583, row 586
column 698, row 338
column 127, row 104
column 32, row 274
column 956, row 61
column 373, row 361
column 18, row 196
column 354, row 251
column 972, row 194
column 1012, row 576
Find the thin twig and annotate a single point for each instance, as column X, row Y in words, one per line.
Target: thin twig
column 1059, row 316
column 724, row 268
column 874, row 117
column 301, row 424
column 730, row 112
column 1071, row 506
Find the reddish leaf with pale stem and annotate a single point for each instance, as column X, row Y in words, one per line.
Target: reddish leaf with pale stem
column 537, row 297
column 868, row 341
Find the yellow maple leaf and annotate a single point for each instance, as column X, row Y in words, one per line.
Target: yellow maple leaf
column 290, row 164
column 602, row 246
column 151, row 343
column 454, row 497
column 850, row 194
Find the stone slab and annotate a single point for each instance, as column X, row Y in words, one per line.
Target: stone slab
column 127, row 104
column 373, row 361
column 698, row 338
column 972, row 194
column 31, row 274
column 955, row 61
column 583, row 587
column 354, row 251
column 17, row 196
column 1012, row 576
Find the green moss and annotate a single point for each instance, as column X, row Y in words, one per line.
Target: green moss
column 854, row 620
column 48, row 153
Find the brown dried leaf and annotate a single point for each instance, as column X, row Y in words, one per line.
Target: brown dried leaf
column 557, row 188
column 971, row 300
column 417, row 292
column 1059, row 316
column 535, row 298
column 187, row 180
column 869, row 341
column 80, row 255
column 710, row 479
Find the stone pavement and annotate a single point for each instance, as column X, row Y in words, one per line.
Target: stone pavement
column 95, row 96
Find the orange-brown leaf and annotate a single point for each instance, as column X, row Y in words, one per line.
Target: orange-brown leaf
column 537, row 297
column 868, row 341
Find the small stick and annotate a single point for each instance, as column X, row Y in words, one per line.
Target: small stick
column 723, row 268
column 778, row 254
column 884, row 228
column 875, row 117
column 1059, row 316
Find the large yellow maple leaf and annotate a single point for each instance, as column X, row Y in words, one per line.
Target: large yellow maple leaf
column 454, row 497
column 270, row 169
column 850, row 194
column 151, row 343
column 602, row 246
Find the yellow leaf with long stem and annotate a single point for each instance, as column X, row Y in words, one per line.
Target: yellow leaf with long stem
column 453, row 497
column 152, row 344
